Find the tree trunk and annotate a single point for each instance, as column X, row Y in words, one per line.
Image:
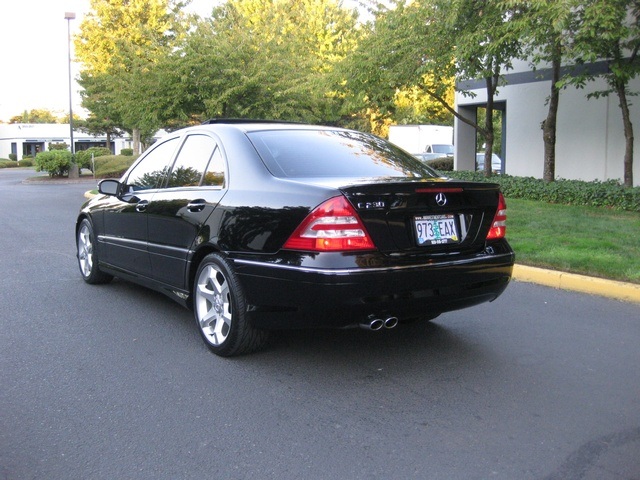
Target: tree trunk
column 136, row 141
column 549, row 125
column 488, row 126
column 628, row 134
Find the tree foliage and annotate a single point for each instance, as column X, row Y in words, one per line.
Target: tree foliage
column 119, row 44
column 385, row 71
column 56, row 162
column 426, row 44
column 485, row 46
column 264, row 59
column 38, row 116
column 147, row 65
column 544, row 27
column 145, row 28
column 610, row 30
column 94, row 125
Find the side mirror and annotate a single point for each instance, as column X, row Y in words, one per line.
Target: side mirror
column 109, row 187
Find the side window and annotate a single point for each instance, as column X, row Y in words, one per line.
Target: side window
column 192, row 161
column 215, row 171
column 153, row 168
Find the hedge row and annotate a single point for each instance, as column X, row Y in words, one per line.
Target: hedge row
column 610, row 193
column 4, row 163
column 113, row 166
column 59, row 162
column 83, row 157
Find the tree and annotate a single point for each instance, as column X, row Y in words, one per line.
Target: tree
column 95, row 126
column 426, row 44
column 264, row 59
column 544, row 26
column 37, row 116
column 385, row 68
column 484, row 47
column 118, row 43
column 610, row 30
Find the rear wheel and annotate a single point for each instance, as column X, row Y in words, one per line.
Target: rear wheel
column 219, row 307
column 87, row 255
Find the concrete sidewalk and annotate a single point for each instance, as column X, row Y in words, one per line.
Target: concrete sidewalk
column 628, row 292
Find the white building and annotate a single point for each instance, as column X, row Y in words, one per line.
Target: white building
column 590, row 136
column 29, row 139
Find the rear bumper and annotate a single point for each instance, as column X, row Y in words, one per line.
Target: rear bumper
column 307, row 294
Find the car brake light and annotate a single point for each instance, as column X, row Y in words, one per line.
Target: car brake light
column 331, row 227
column 499, row 226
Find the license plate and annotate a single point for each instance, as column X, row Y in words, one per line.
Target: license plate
column 436, row 230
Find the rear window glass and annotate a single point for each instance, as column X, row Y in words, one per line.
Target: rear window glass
column 336, row 153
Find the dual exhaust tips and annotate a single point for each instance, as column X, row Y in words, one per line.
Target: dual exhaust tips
column 375, row 324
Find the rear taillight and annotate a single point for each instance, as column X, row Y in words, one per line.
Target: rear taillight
column 499, row 225
column 333, row 226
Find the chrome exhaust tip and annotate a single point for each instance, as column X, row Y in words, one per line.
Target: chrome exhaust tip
column 391, row 322
column 373, row 324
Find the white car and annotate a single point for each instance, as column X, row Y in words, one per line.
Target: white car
column 434, row 151
column 496, row 162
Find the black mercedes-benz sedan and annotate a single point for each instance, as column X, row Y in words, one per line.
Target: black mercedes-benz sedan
column 258, row 225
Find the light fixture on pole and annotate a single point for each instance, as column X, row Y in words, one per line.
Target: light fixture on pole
column 68, row 16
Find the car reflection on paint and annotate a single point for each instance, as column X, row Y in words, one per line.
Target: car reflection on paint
column 259, row 226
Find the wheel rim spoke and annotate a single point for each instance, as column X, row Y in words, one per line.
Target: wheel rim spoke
column 85, row 251
column 213, row 307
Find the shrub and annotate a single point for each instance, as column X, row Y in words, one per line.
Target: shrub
column 13, row 156
column 56, row 162
column 83, row 157
column 127, row 152
column 7, row 163
column 443, row 164
column 26, row 162
column 113, row 166
column 609, row 194
column 58, row 146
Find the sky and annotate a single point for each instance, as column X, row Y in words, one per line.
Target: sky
column 35, row 50
column 34, row 54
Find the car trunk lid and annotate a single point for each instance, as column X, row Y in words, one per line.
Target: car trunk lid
column 425, row 216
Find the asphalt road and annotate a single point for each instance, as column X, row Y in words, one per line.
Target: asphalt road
column 113, row 382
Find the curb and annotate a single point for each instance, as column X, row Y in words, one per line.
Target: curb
column 628, row 292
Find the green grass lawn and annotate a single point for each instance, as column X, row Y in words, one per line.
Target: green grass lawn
column 590, row 241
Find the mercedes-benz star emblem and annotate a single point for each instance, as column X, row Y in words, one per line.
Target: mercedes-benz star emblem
column 441, row 200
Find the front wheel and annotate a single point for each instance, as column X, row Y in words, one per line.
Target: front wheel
column 219, row 307
column 87, row 255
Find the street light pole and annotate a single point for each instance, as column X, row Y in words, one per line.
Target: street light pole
column 68, row 16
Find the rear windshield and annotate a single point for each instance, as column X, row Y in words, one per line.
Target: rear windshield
column 336, row 153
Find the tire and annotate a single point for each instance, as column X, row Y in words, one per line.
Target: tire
column 219, row 307
column 88, row 256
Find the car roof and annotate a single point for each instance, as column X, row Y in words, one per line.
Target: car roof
column 248, row 125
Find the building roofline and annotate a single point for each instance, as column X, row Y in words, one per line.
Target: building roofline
column 537, row 75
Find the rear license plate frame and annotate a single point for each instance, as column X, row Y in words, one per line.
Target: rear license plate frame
column 431, row 230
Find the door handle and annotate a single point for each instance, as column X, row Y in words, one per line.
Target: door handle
column 197, row 206
column 141, row 206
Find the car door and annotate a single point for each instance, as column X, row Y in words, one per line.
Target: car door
column 125, row 217
column 177, row 213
